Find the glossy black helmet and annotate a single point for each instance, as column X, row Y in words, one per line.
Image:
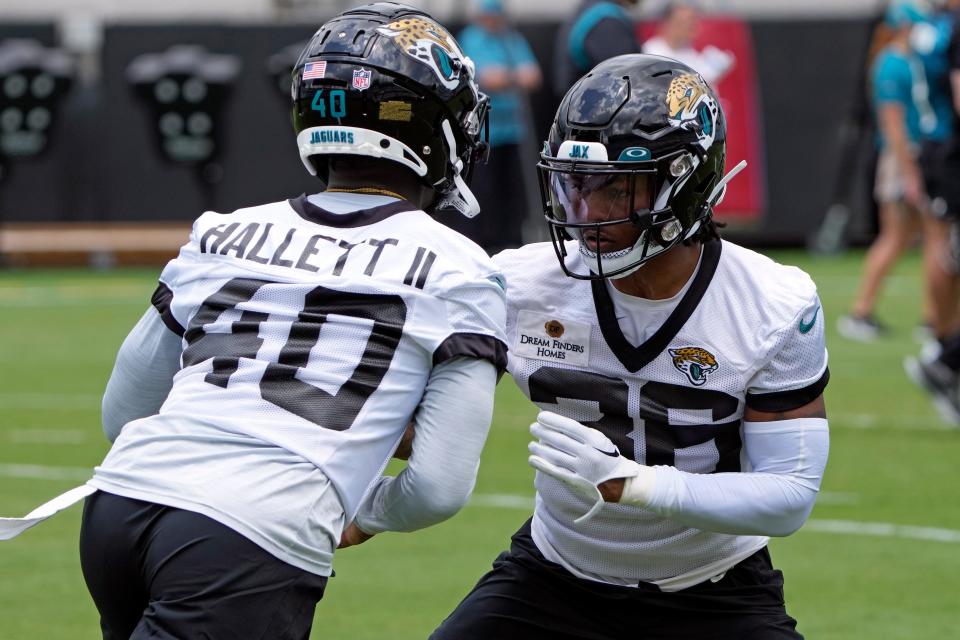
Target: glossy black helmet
column 643, row 138
column 385, row 80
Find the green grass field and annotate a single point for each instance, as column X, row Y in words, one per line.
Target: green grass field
column 880, row 557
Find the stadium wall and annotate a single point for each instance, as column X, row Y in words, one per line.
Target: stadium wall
column 260, row 10
column 103, row 167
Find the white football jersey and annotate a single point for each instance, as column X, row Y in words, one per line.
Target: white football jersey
column 745, row 331
column 308, row 339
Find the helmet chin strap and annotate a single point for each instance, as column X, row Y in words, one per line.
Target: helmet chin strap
column 616, row 260
column 461, row 198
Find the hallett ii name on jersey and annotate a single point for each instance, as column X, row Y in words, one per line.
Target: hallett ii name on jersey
column 298, row 249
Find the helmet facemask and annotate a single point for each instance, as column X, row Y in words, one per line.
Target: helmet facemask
column 637, row 114
column 618, row 212
column 455, row 194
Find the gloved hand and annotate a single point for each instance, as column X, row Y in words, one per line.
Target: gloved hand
column 578, row 456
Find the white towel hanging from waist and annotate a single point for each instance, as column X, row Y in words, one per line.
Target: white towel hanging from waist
column 12, row 527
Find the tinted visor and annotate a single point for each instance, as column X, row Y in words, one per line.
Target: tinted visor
column 598, row 197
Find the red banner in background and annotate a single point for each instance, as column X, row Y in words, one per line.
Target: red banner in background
column 745, row 201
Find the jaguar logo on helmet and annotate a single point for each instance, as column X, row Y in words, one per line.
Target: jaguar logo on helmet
column 692, row 107
column 696, row 362
column 428, row 43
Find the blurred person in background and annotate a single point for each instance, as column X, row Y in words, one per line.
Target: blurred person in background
column 901, row 99
column 675, row 38
column 937, row 370
column 597, row 30
column 930, row 40
column 507, row 71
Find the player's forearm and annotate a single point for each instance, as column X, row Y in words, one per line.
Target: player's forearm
column 774, row 499
column 405, row 503
column 451, row 428
column 142, row 374
column 736, row 503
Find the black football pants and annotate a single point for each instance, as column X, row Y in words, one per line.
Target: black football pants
column 164, row 573
column 526, row 597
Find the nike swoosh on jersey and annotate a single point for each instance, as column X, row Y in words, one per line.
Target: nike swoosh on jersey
column 806, row 326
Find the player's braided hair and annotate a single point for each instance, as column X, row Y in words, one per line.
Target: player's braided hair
column 709, row 230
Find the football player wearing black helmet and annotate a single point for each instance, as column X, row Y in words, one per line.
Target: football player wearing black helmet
column 254, row 407
column 386, row 82
column 679, row 378
column 623, row 161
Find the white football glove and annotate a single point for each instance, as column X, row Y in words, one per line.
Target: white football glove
column 578, row 456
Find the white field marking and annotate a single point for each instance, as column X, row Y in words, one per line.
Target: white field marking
column 502, row 501
column 25, row 400
column 70, row 302
column 882, row 530
column 506, row 501
column 59, row 295
column 843, row 527
column 16, row 291
column 890, row 421
column 41, row 472
column 47, row 436
column 837, row 498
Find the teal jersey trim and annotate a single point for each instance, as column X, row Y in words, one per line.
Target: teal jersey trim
column 576, row 42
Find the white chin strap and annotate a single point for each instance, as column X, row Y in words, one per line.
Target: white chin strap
column 355, row 141
column 461, row 198
column 616, row 260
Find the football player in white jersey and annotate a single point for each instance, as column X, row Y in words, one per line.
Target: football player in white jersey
column 679, row 378
column 289, row 345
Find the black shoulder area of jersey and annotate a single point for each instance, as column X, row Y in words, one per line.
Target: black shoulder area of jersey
column 161, row 300
column 635, row 358
column 779, row 401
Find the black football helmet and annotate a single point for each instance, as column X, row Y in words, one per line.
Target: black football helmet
column 385, row 80
column 639, row 140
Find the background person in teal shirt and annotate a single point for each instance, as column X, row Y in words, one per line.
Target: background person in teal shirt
column 596, row 31
column 937, row 370
column 931, row 41
column 901, row 98
column 507, row 71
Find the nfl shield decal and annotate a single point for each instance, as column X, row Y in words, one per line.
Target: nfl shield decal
column 361, row 79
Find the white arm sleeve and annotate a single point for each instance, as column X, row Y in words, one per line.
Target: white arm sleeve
column 773, row 499
column 142, row 375
column 451, row 428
